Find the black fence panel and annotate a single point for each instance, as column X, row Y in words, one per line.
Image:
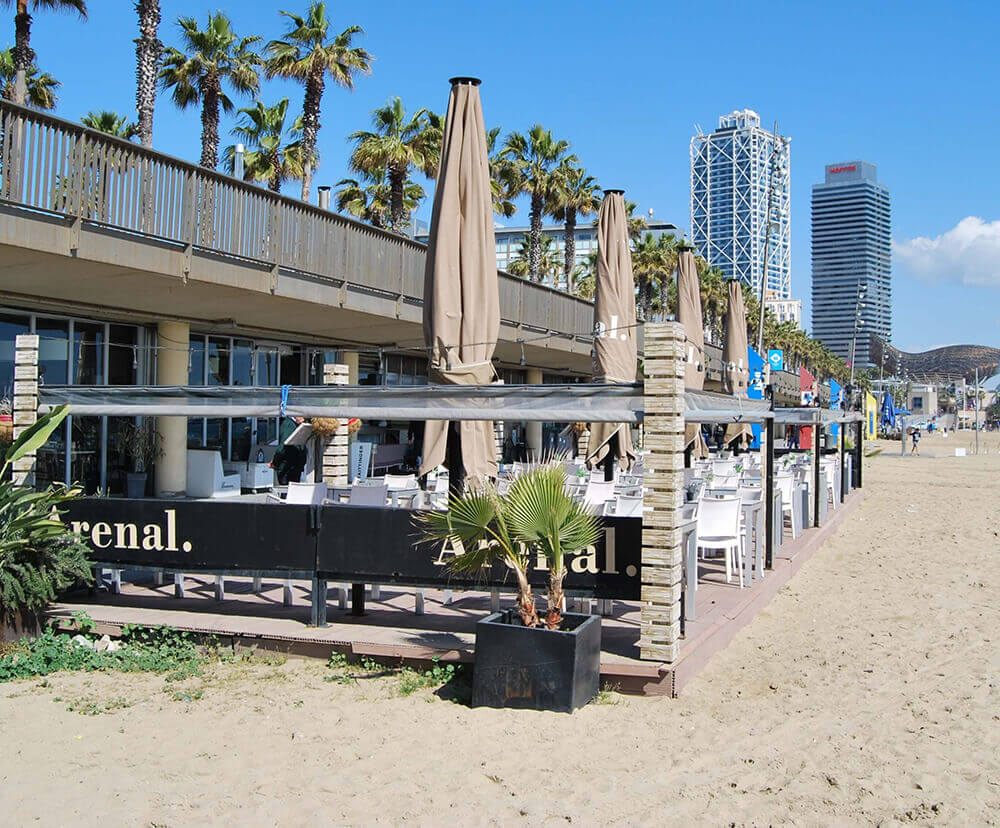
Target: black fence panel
column 189, row 535
column 375, row 545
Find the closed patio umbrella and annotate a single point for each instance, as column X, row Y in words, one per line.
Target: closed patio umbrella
column 614, row 324
column 689, row 314
column 734, row 357
column 461, row 297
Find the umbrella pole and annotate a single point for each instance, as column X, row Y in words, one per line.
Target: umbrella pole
column 610, row 459
column 453, row 460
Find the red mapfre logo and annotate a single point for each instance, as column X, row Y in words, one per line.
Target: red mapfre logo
column 848, row 168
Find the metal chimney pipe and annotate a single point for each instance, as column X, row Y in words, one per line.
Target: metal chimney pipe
column 238, row 161
column 324, row 198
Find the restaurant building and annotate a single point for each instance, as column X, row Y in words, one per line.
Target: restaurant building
column 135, row 268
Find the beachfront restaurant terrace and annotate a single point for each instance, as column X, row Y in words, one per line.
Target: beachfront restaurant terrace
column 329, row 538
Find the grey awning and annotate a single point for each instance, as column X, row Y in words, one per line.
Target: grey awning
column 712, row 407
column 539, row 403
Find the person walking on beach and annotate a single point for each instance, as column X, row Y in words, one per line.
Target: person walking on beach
column 915, row 434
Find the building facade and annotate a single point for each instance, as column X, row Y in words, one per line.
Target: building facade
column 737, row 172
column 851, row 224
column 509, row 241
column 785, row 310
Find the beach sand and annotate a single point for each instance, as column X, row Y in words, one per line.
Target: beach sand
column 866, row 692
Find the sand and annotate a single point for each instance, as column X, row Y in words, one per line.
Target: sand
column 866, row 692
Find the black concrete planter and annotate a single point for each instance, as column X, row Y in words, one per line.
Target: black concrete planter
column 534, row 667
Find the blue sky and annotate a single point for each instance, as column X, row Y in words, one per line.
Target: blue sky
column 908, row 86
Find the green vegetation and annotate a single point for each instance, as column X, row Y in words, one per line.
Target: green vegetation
column 535, row 517
column 39, row 556
column 450, row 680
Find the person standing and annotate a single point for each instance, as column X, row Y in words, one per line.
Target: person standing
column 915, row 434
column 288, row 461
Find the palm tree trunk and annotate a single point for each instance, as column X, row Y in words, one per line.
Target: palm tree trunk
column 569, row 246
column 210, row 125
column 535, row 238
column 148, row 52
column 397, row 205
column 315, row 84
column 23, row 56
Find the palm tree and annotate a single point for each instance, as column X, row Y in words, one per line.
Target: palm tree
column 714, row 295
column 585, row 277
column 653, row 264
column 503, row 203
column 549, row 264
column 535, row 518
column 670, row 250
column 307, row 56
column 214, row 55
column 24, row 56
column 148, row 55
column 268, row 157
column 368, row 198
column 533, row 161
column 398, row 144
column 112, row 123
column 41, row 88
column 576, row 194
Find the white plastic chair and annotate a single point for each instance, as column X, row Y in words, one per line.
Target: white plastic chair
column 368, row 495
column 719, row 528
column 205, row 477
column 597, row 494
column 625, row 506
column 786, row 485
column 401, row 481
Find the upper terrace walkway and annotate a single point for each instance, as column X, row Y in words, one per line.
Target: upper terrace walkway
column 97, row 222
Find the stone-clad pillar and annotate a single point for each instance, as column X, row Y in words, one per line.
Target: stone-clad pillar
column 24, row 406
column 661, row 538
column 335, row 451
column 533, row 430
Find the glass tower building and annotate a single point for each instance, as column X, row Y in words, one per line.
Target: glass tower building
column 736, row 172
column 851, row 255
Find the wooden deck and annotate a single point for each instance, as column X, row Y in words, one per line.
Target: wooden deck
column 390, row 629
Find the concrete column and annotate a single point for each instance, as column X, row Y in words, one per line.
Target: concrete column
column 351, row 361
column 336, row 450
column 173, row 340
column 662, row 568
column 25, row 403
column 533, row 430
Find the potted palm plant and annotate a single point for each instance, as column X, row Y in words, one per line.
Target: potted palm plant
column 549, row 662
column 140, row 442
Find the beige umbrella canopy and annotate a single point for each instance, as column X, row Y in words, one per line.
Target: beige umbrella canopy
column 689, row 314
column 614, row 324
column 736, row 369
column 461, row 297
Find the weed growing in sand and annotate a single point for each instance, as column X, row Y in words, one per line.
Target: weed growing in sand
column 607, row 695
column 93, row 707
column 142, row 649
column 411, row 680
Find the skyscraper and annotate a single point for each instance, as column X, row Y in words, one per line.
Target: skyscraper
column 851, row 255
column 735, row 172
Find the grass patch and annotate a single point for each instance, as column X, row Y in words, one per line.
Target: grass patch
column 410, row 679
column 95, row 707
column 142, row 650
column 607, row 695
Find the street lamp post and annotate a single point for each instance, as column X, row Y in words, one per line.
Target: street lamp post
column 773, row 163
column 858, row 322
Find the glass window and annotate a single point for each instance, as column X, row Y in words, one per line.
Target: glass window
column 267, row 366
column 215, row 434
column 196, row 371
column 242, row 431
column 53, row 350
column 196, row 432
column 242, row 362
column 122, row 357
column 88, row 353
column 218, row 361
column 85, row 455
column 10, row 327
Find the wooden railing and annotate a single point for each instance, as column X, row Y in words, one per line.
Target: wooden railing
column 56, row 166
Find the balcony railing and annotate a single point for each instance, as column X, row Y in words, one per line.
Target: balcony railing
column 58, row 167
